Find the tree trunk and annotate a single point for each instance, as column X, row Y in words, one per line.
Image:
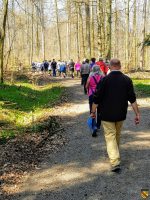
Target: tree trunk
column 109, row 21
column 101, row 29
column 127, row 36
column 37, row 33
column 135, row 36
column 58, row 30
column 68, row 29
column 82, row 32
column 77, row 31
column 116, row 31
column 143, row 35
column 88, row 28
column 43, row 30
column 32, row 38
column 2, row 40
column 92, row 31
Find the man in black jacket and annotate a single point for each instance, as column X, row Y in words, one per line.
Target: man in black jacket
column 112, row 95
column 54, row 66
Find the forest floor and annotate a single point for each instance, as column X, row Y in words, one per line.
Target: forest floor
column 79, row 169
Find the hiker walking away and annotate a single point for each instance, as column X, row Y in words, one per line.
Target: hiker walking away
column 42, row 66
column 50, row 68
column 77, row 68
column 63, row 69
column 33, row 65
column 58, row 67
column 46, row 64
column 54, row 66
column 113, row 93
column 95, row 76
column 71, row 67
column 93, row 62
column 85, row 71
column 102, row 66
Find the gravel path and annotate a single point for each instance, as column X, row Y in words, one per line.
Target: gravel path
column 81, row 170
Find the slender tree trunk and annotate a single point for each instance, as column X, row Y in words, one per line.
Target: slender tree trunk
column 116, row 31
column 144, row 34
column 43, row 30
column 109, row 22
column 68, row 33
column 92, row 31
column 13, row 21
column 58, row 30
column 101, row 28
column 37, row 33
column 147, row 53
column 82, row 32
column 2, row 40
column 135, row 35
column 77, row 31
column 32, row 38
column 28, row 31
column 88, row 28
column 127, row 35
column 37, row 40
column 10, row 43
column 43, row 41
column 68, row 54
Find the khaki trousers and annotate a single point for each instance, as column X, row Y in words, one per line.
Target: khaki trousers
column 112, row 132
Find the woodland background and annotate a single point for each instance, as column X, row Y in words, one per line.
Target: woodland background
column 34, row 107
column 35, row 30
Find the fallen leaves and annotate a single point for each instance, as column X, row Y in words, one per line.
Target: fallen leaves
column 23, row 153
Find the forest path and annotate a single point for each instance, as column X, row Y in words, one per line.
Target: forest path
column 81, row 170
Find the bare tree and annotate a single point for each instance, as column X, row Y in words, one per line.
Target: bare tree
column 109, row 22
column 143, row 34
column 2, row 39
column 88, row 28
column 127, row 34
column 58, row 30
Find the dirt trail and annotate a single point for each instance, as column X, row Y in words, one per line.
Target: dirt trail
column 80, row 171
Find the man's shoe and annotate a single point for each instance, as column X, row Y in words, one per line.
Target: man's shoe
column 116, row 169
column 94, row 134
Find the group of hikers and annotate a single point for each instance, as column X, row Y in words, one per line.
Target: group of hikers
column 63, row 68
column 109, row 91
column 52, row 67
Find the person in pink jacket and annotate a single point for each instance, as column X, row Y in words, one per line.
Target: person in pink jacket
column 77, row 68
column 95, row 76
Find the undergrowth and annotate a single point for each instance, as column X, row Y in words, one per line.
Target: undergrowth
column 22, row 104
column 142, row 87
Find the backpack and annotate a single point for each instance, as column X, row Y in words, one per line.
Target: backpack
column 95, row 83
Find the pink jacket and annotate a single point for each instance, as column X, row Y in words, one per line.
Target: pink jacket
column 93, row 83
column 77, row 66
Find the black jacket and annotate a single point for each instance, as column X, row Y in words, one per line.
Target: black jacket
column 54, row 65
column 113, row 93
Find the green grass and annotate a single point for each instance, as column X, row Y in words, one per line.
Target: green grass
column 142, row 87
column 22, row 104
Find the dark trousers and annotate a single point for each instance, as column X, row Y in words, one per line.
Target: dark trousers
column 98, row 117
column 54, row 72
column 84, row 81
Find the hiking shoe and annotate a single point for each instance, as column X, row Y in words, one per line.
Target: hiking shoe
column 116, row 169
column 94, row 134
